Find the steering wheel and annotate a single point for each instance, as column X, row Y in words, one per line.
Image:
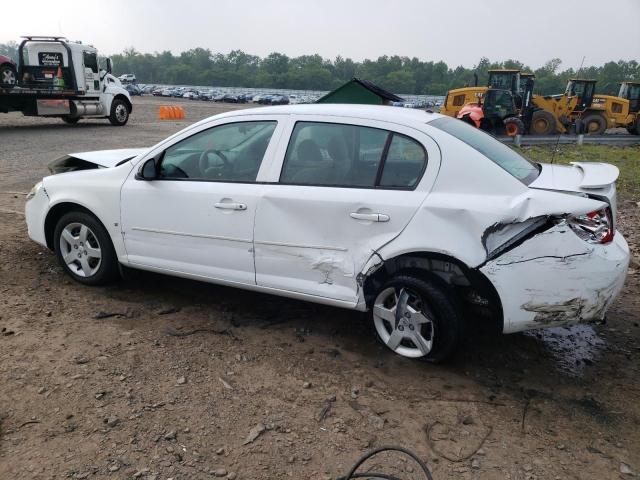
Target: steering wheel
column 203, row 161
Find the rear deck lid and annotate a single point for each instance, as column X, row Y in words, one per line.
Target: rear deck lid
column 590, row 178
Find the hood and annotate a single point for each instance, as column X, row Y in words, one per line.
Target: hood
column 97, row 159
column 593, row 179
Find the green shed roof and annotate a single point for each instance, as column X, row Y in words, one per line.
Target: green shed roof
column 360, row 91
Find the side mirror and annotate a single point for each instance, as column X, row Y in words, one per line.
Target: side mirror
column 109, row 67
column 147, row 170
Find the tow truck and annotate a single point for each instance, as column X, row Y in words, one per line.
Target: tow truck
column 60, row 78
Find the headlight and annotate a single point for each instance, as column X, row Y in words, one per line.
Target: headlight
column 593, row 227
column 36, row 188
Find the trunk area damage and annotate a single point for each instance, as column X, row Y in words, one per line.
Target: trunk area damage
column 543, row 273
column 567, row 280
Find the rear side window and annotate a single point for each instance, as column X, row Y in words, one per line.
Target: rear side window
column 521, row 168
column 331, row 154
column 458, row 100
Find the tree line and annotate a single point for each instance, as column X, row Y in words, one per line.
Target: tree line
column 402, row 75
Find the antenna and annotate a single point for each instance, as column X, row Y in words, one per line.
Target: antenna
column 555, row 149
column 580, row 69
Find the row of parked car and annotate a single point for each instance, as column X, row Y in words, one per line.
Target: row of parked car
column 211, row 95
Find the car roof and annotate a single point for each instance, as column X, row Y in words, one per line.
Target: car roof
column 371, row 112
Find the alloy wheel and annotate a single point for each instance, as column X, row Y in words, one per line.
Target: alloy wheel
column 80, row 249
column 403, row 322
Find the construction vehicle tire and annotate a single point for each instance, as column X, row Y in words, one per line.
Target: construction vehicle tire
column 594, row 124
column 634, row 128
column 513, row 126
column 543, row 123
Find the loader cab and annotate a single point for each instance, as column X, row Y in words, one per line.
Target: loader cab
column 504, row 79
column 497, row 106
column 631, row 91
column 583, row 90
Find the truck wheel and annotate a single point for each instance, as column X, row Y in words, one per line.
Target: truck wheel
column 416, row 318
column 634, row 128
column 7, row 76
column 84, row 249
column 594, row 124
column 513, row 126
column 119, row 113
column 543, row 123
column 70, row 120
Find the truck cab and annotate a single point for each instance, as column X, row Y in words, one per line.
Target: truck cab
column 59, row 78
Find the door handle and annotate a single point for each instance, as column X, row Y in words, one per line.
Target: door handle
column 231, row 206
column 371, row 217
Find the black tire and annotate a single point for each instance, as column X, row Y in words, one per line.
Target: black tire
column 436, row 303
column 71, row 120
column 634, row 129
column 106, row 270
column 543, row 123
column 8, row 76
column 513, row 126
column 594, row 124
column 119, row 115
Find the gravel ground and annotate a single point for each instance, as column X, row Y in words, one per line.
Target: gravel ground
column 157, row 377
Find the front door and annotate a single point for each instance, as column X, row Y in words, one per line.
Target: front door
column 197, row 217
column 344, row 191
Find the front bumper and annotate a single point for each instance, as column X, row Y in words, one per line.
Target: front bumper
column 35, row 211
column 557, row 279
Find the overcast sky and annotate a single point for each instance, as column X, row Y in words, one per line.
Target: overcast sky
column 459, row 32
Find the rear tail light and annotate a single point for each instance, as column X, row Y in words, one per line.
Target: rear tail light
column 593, row 227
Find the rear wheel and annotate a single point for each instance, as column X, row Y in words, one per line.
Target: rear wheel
column 634, row 129
column 119, row 113
column 7, row 76
column 594, row 124
column 513, row 126
column 84, row 249
column 70, row 120
column 416, row 318
column 543, row 123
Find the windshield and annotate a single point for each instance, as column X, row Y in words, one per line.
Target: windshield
column 521, row 168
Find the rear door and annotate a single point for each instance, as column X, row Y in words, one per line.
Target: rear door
column 345, row 187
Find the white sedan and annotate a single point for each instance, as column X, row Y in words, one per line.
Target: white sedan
column 418, row 218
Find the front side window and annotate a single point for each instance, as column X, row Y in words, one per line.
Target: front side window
column 91, row 61
column 521, row 168
column 331, row 154
column 226, row 153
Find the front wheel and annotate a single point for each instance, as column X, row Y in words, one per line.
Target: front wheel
column 594, row 124
column 416, row 318
column 513, row 126
column 543, row 123
column 119, row 113
column 7, row 76
column 84, row 249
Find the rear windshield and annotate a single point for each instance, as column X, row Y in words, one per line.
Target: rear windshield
column 521, row 168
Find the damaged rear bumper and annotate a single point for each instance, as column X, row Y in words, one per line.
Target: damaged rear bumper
column 556, row 279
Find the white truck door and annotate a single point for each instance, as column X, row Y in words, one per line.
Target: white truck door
column 345, row 189
column 91, row 73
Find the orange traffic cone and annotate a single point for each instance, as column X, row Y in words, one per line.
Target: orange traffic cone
column 59, row 78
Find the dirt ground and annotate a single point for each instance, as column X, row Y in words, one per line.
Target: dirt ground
column 158, row 378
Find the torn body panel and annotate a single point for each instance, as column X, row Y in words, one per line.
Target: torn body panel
column 555, row 279
column 91, row 160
